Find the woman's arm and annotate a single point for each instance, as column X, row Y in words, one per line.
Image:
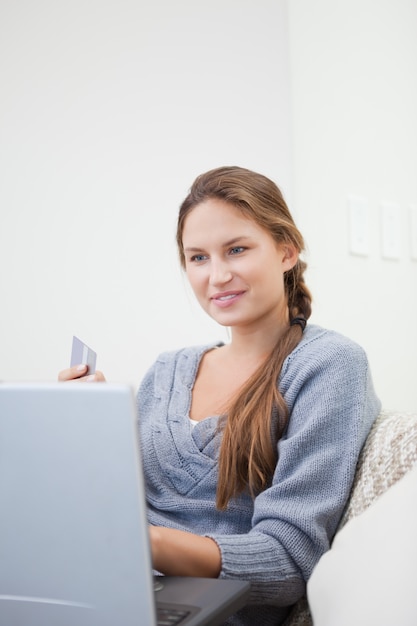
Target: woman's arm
column 179, row 553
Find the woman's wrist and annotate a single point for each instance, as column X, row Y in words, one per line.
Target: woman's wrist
column 179, row 553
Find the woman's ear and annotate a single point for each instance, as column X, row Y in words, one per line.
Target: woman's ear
column 290, row 256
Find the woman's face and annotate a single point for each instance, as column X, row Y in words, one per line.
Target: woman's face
column 235, row 267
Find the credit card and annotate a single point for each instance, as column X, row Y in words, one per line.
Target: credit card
column 82, row 354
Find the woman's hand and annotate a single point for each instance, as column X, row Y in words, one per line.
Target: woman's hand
column 179, row 553
column 80, row 374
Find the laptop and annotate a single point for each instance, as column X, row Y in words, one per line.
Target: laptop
column 74, row 543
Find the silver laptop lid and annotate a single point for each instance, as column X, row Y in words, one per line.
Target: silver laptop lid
column 68, row 462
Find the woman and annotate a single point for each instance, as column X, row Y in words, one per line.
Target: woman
column 250, row 447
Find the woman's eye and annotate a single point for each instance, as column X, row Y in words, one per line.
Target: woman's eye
column 237, row 250
column 197, row 258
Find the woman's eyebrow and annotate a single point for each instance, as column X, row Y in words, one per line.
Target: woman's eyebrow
column 226, row 244
column 240, row 239
column 192, row 249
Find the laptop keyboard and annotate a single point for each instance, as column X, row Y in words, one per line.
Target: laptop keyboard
column 171, row 616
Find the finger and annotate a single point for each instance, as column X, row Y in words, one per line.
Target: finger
column 72, row 373
column 97, row 377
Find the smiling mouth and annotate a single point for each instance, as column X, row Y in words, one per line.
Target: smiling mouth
column 225, row 298
column 229, row 297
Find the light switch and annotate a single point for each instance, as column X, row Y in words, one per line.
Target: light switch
column 358, row 225
column 390, row 231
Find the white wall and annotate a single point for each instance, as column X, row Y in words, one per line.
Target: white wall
column 354, row 104
column 108, row 111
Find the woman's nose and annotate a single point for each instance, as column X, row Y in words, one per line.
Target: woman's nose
column 220, row 272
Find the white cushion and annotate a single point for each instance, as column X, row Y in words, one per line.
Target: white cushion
column 369, row 575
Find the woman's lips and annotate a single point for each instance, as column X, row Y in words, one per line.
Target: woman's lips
column 226, row 298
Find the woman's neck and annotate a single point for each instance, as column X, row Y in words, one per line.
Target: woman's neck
column 255, row 345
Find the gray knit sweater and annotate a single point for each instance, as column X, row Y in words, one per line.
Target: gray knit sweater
column 275, row 541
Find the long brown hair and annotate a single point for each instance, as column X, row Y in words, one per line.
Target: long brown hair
column 257, row 416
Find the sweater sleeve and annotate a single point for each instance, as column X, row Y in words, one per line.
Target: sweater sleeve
column 332, row 406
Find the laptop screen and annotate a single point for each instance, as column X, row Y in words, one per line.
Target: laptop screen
column 74, row 541
column 70, row 482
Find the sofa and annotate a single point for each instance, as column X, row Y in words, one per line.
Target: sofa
column 368, row 575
